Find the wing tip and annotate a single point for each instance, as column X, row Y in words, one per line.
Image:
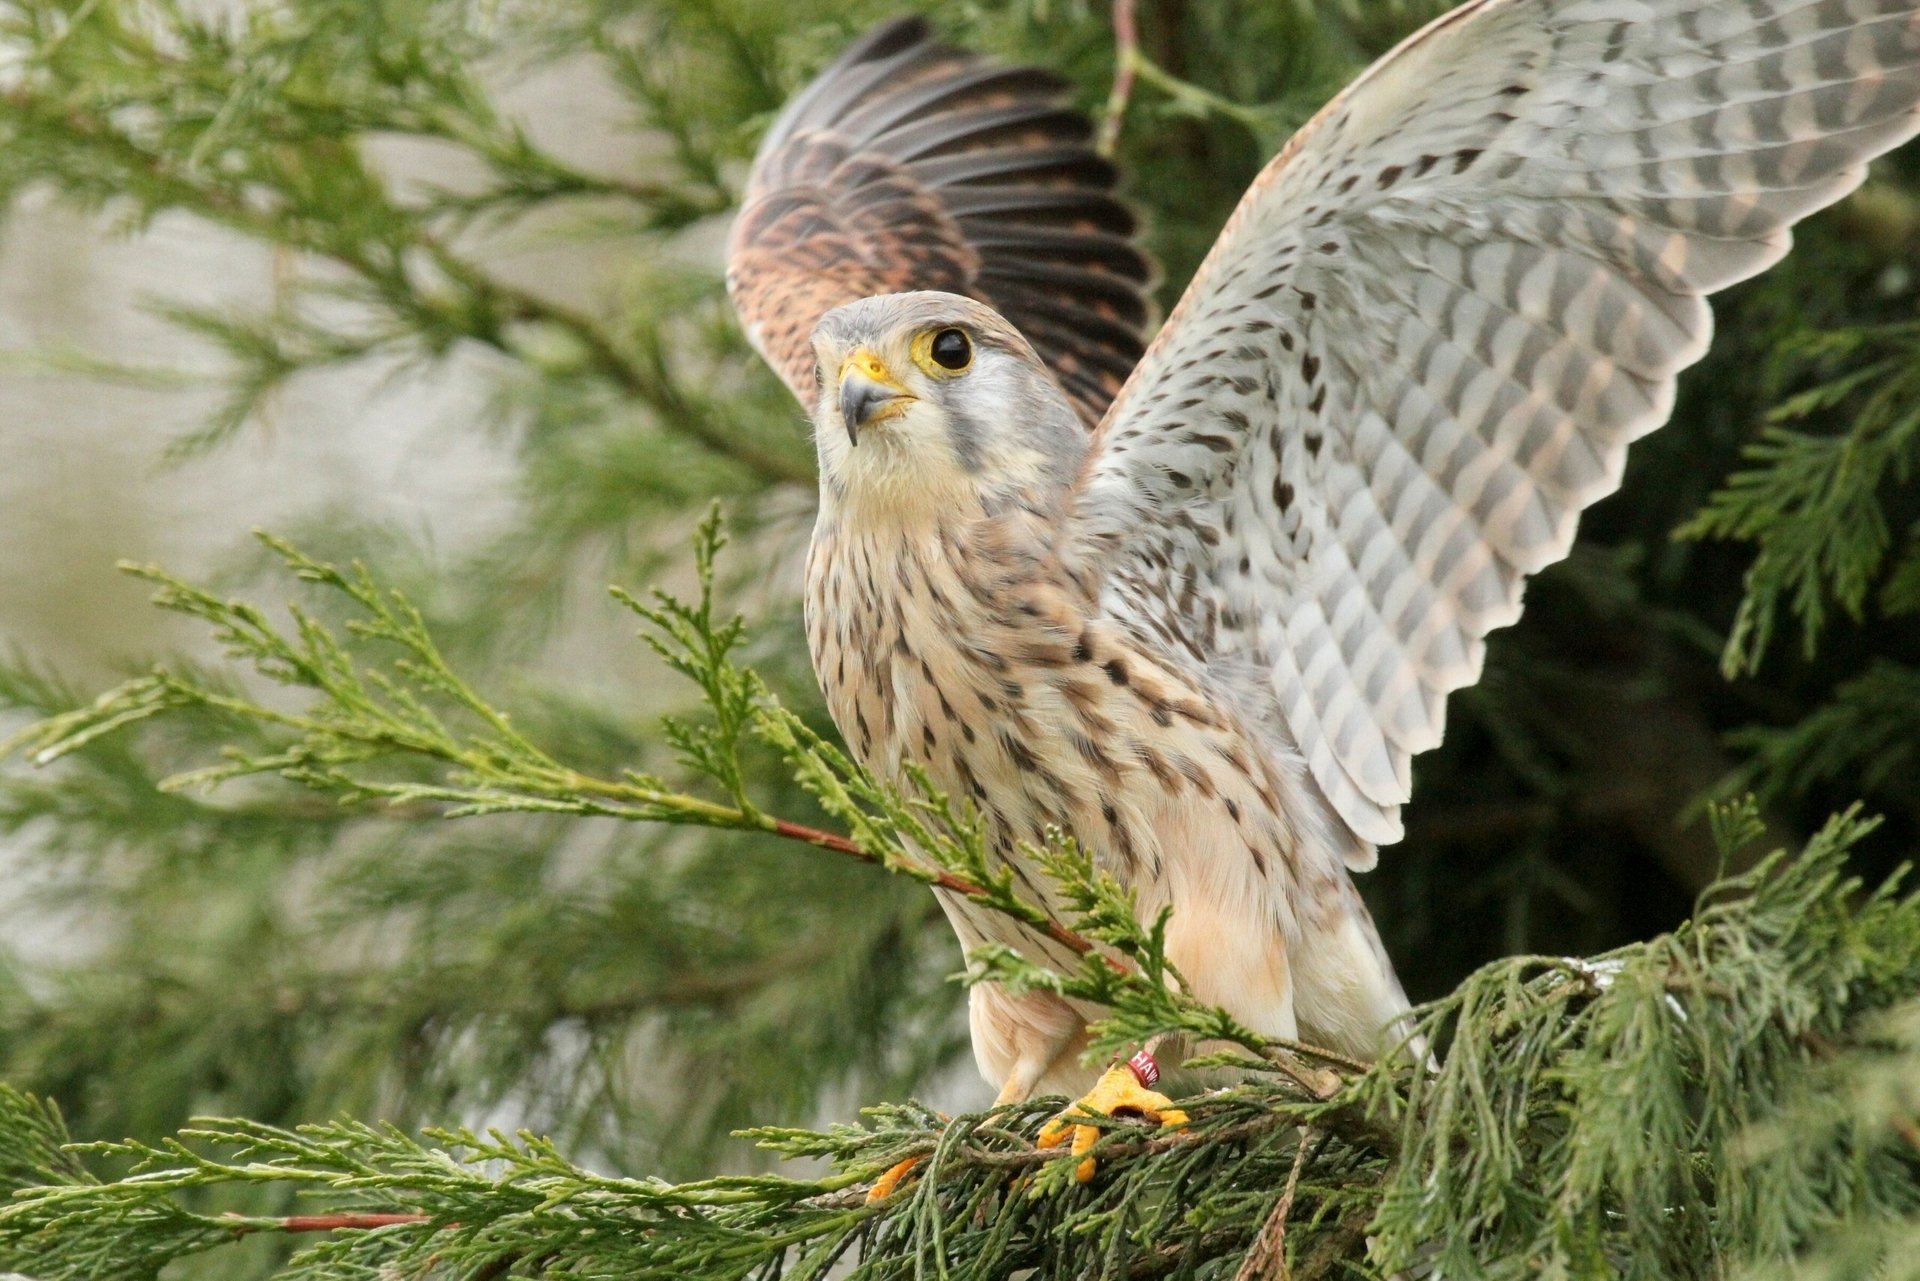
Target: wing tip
column 889, row 36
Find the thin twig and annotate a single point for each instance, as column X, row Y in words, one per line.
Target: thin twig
column 326, row 1222
column 1320, row 1086
column 1077, row 943
column 1126, row 57
column 1193, row 96
column 1268, row 1254
column 1335, row 1250
column 1346, row 1063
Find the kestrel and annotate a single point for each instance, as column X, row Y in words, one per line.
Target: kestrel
column 1199, row 607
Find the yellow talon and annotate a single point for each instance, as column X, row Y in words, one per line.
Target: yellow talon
column 1117, row 1093
column 884, row 1185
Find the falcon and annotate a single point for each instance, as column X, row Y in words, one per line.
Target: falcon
column 1199, row 603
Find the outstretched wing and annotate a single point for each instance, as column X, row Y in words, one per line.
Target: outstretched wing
column 911, row 165
column 1430, row 330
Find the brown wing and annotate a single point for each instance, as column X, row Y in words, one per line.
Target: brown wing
column 913, row 165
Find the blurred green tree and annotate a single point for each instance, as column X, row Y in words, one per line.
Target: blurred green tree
column 637, row 992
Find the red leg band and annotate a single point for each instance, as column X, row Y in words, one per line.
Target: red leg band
column 1145, row 1070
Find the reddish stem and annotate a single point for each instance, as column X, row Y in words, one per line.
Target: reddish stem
column 825, row 840
column 944, row 880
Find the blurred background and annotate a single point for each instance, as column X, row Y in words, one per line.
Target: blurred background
column 435, row 285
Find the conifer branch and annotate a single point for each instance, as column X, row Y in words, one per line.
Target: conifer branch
column 1521, row 1150
column 1810, row 497
column 367, row 726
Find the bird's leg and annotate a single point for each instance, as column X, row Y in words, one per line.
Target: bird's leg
column 1126, row 1089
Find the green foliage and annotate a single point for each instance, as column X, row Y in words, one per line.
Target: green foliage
column 365, row 719
column 613, row 946
column 1712, row 1102
column 1723, row 1093
column 1856, row 740
column 1811, row 499
column 238, row 892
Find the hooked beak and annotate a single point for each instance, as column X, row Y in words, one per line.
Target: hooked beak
column 868, row 392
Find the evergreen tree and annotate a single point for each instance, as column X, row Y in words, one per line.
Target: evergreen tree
column 635, row 937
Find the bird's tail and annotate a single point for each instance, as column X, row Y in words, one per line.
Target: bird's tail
column 1346, row 994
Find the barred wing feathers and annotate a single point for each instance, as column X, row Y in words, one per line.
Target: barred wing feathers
column 1432, row 327
column 908, row 164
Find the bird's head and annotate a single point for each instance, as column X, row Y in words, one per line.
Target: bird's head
column 930, row 398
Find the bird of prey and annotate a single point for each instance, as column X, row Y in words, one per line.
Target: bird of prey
column 1199, row 605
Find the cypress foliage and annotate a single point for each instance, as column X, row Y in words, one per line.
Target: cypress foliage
column 639, row 937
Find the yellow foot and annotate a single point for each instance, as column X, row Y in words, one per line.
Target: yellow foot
column 1118, row 1093
column 884, row 1185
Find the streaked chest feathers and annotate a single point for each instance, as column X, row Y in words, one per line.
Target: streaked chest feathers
column 955, row 642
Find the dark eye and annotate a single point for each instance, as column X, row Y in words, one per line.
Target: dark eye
column 951, row 349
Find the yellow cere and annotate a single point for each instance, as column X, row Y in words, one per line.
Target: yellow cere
column 866, row 362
